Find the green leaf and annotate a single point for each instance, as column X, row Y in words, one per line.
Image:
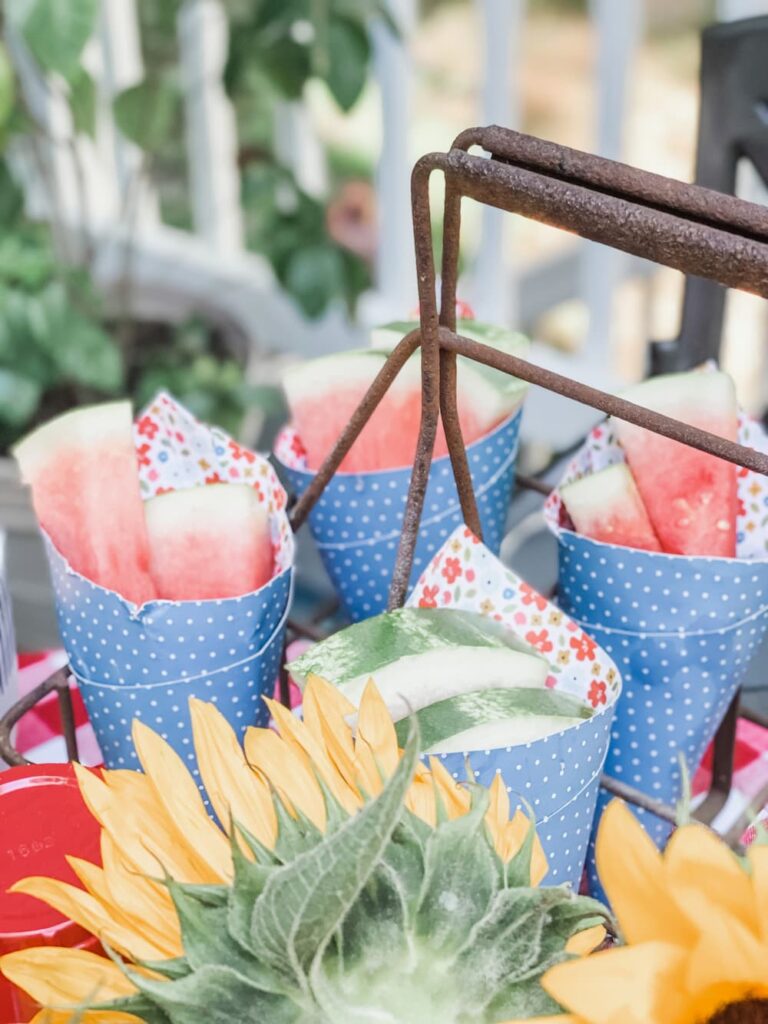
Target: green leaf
column 7, row 86
column 86, row 354
column 171, row 969
column 460, row 880
column 149, row 112
column 287, row 64
column 213, row 995
column 204, row 933
column 350, row 52
column 57, row 30
column 11, row 201
column 313, row 276
column 249, row 881
column 19, row 398
column 304, row 902
column 82, row 102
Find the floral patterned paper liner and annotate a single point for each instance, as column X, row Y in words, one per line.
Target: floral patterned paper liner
column 176, row 450
column 601, row 449
column 465, row 574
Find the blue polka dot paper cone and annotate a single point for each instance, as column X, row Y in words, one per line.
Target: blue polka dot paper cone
column 558, row 775
column 147, row 661
column 681, row 629
column 358, row 520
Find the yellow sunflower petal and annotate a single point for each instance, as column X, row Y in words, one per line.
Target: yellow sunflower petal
column 330, row 695
column 420, row 798
column 587, row 941
column 376, row 728
column 337, row 741
column 512, row 837
column 125, row 915
column 294, row 731
column 758, row 865
column 235, row 791
column 634, row 984
column 703, row 873
column 177, row 793
column 86, row 910
column 146, row 900
column 367, row 775
column 288, row 769
column 55, row 976
column 727, row 952
column 124, row 804
column 632, row 873
column 455, row 798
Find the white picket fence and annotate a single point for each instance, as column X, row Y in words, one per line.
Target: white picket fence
column 98, row 192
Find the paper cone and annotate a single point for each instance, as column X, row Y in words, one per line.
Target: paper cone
column 681, row 629
column 358, row 520
column 146, row 662
column 558, row 776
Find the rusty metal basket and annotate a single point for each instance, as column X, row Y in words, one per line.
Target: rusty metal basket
column 689, row 228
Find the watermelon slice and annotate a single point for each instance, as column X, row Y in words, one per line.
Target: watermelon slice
column 690, row 496
column 493, row 718
column 418, row 656
column 209, row 542
column 322, row 395
column 607, row 506
column 84, row 477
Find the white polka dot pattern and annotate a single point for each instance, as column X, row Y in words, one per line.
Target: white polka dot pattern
column 146, row 663
column 682, row 631
column 358, row 519
column 559, row 774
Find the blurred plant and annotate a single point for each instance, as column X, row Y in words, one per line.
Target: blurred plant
column 55, row 350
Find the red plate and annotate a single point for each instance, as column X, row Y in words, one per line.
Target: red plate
column 42, row 819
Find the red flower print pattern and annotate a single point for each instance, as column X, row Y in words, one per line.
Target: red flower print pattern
column 147, row 427
column 531, row 596
column 238, row 452
column 584, row 646
column 539, row 640
column 452, row 569
column 596, row 693
column 143, row 453
column 428, row 597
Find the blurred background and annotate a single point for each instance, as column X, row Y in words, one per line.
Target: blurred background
column 193, row 192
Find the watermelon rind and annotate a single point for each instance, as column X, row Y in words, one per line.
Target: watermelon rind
column 448, row 725
column 608, row 502
column 418, row 656
column 80, row 426
column 225, row 504
column 472, row 375
column 706, row 393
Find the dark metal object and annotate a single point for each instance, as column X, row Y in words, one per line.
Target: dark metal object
column 634, row 796
column 59, row 682
column 733, row 124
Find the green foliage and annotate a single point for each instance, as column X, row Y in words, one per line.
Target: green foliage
column 56, row 30
column 289, row 227
column 149, row 112
column 382, row 918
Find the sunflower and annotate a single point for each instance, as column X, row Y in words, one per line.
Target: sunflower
column 695, row 920
column 177, row 897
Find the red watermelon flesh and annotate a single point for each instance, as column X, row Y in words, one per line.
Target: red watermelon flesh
column 324, row 393
column 607, row 506
column 209, row 542
column 690, row 495
column 83, row 473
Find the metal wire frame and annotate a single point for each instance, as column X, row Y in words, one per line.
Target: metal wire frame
column 686, row 227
